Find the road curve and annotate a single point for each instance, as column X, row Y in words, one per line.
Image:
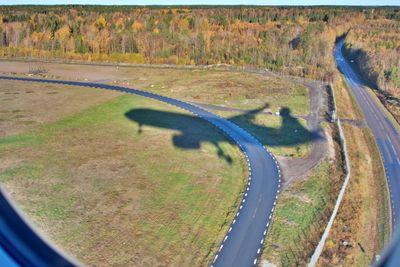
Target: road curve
column 385, row 133
column 243, row 242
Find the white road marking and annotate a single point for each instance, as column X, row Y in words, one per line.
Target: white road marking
column 216, row 257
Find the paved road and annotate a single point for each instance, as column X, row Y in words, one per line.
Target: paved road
column 385, row 133
column 245, row 237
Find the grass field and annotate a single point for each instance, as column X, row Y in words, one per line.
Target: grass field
column 107, row 192
column 233, row 89
column 27, row 105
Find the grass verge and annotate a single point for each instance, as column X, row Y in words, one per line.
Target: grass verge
column 297, row 222
column 362, row 225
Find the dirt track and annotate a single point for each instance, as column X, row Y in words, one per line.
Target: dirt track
column 296, row 167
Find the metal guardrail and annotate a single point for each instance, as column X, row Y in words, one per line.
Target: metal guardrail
column 320, row 246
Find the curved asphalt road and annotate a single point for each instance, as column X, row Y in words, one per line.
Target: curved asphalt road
column 244, row 240
column 385, row 133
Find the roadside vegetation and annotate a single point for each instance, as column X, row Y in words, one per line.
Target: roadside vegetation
column 85, row 179
column 375, row 48
column 362, row 225
column 300, row 217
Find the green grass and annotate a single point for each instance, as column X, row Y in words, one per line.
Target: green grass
column 297, row 101
column 295, row 212
column 18, row 139
column 22, row 171
column 109, row 195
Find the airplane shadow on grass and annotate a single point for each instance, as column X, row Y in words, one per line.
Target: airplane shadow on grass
column 193, row 131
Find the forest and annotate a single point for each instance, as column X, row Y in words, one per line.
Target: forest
column 375, row 47
column 296, row 41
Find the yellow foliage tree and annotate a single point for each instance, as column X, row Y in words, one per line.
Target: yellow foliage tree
column 100, row 23
column 183, row 24
column 137, row 27
column 63, row 35
column 205, row 25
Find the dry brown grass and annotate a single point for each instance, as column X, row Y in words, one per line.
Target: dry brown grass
column 244, row 90
column 362, row 224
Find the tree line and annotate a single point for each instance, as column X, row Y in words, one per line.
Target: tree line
column 375, row 47
column 296, row 41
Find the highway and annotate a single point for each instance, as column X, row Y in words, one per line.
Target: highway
column 384, row 131
column 244, row 239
